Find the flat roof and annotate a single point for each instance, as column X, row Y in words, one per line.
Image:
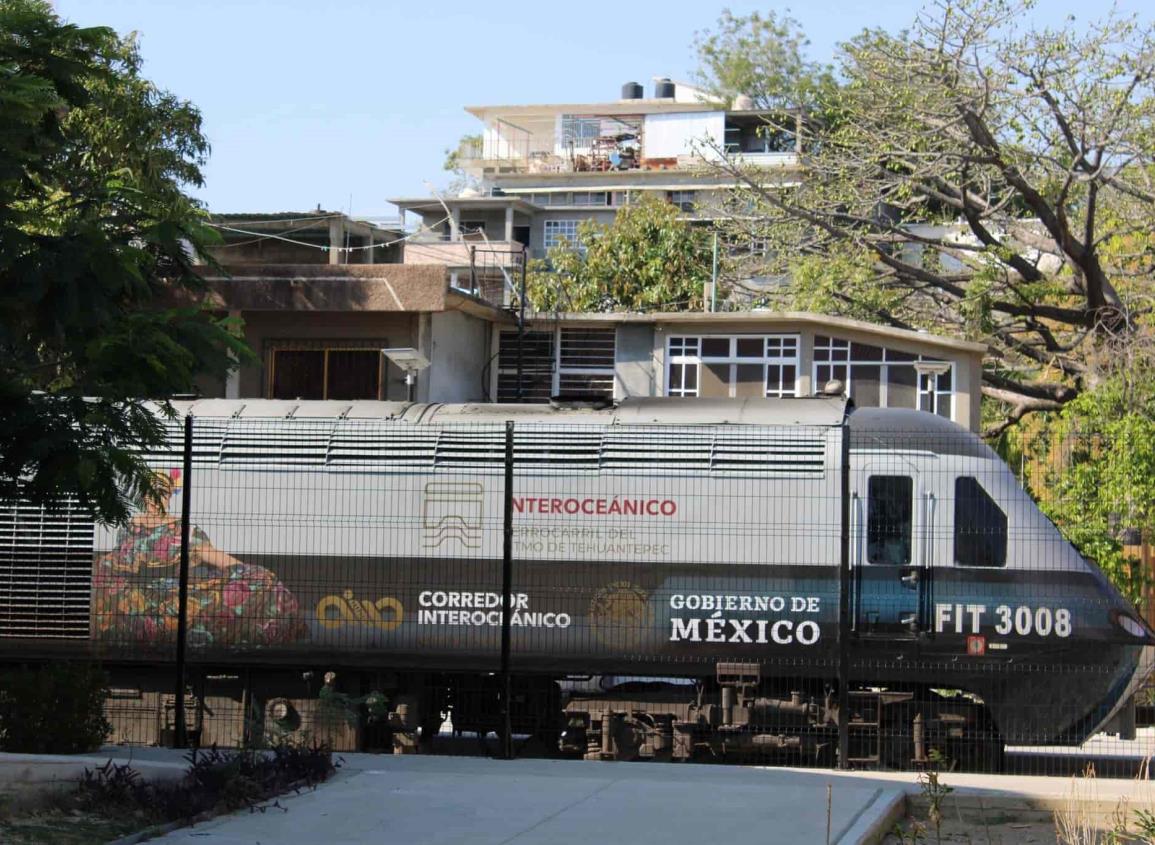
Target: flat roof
column 433, row 203
column 297, row 221
column 613, row 107
column 724, row 318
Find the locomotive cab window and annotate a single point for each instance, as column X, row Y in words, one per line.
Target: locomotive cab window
column 980, row 526
column 889, row 519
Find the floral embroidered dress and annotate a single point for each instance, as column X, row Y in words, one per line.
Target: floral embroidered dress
column 135, row 594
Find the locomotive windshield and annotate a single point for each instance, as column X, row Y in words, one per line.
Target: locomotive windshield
column 980, row 526
column 889, row 518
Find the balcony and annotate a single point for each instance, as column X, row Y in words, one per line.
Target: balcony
column 768, row 160
column 430, row 249
column 540, row 144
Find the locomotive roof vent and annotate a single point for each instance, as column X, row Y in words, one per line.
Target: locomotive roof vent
column 572, row 401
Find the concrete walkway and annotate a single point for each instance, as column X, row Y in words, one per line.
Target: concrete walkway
column 448, row 800
column 419, row 800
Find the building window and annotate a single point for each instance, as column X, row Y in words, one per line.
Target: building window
column 889, row 519
column 580, row 131
column 558, row 232
column 741, row 366
column 325, row 371
column 935, row 395
column 472, row 230
column 685, row 200
column 980, row 526
column 561, row 362
column 592, row 198
column 876, row 377
column 682, row 367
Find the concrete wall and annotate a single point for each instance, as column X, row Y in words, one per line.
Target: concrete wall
column 261, row 327
column 269, row 251
column 272, row 251
column 458, row 346
column 674, row 135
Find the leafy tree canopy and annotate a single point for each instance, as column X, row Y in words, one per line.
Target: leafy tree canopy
column 96, row 244
column 982, row 180
column 762, row 57
column 648, row 259
column 1091, row 467
column 455, row 161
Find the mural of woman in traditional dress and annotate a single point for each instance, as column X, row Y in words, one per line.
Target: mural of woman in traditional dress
column 230, row 603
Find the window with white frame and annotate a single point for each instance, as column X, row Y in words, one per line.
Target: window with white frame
column 685, row 200
column 682, row 367
column 935, row 390
column 878, row 377
column 558, row 232
column 740, row 366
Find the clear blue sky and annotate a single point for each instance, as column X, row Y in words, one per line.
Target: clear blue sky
column 309, row 102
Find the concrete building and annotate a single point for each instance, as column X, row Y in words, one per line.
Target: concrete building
column 317, row 309
column 320, row 294
column 737, row 354
column 540, row 170
column 317, row 330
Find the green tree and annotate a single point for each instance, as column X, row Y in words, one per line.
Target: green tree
column 99, row 301
column 648, row 259
column 983, row 180
column 1091, row 466
column 455, row 163
column 762, row 57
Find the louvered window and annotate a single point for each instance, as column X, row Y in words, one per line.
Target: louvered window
column 359, row 445
column 304, row 442
column 536, row 352
column 561, row 362
column 45, row 570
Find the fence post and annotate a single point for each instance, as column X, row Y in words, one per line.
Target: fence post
column 180, row 735
column 507, row 597
column 844, row 608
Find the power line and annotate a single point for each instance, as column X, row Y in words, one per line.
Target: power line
column 262, row 236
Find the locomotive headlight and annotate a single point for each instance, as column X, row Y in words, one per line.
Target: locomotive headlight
column 1132, row 626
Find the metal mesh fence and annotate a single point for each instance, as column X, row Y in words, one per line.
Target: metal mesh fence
column 879, row 590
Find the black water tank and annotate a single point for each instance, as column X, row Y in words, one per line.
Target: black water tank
column 632, row 91
column 664, row 89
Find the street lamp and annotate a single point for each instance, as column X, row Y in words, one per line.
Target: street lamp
column 409, row 361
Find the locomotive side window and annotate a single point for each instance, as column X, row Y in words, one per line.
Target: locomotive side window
column 980, row 526
column 889, row 519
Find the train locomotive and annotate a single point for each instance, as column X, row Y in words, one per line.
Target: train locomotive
column 729, row 579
